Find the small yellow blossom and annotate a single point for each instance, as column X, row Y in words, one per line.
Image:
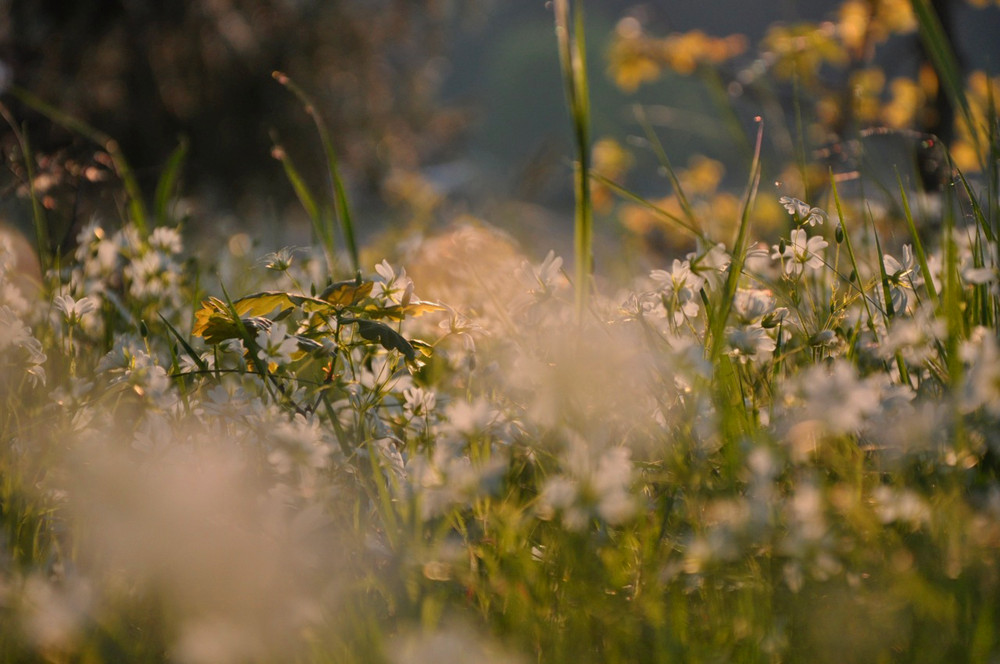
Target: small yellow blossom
column 907, row 100
column 612, row 161
column 801, row 49
column 702, row 176
column 866, row 89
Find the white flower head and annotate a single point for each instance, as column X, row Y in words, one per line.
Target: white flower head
column 802, row 211
column 800, row 252
column 74, row 310
column 396, row 288
column 751, row 305
column 679, row 288
column 276, row 345
column 544, row 279
column 750, row 342
column 165, row 239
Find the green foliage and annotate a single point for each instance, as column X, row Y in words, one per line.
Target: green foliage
column 759, row 453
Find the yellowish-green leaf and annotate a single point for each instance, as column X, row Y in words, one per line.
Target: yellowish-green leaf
column 346, row 293
column 402, row 311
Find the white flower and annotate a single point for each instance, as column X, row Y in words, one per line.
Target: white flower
column 280, row 260
column 584, row 491
column 419, row 401
column 396, row 288
column 166, row 239
column 982, row 378
column 611, row 483
column 803, row 213
column 751, row 305
column 711, row 265
column 276, row 345
column 74, row 310
column 750, row 342
column 12, row 331
column 543, row 279
column 680, row 288
column 468, row 417
column 837, row 397
column 801, row 252
column 15, row 334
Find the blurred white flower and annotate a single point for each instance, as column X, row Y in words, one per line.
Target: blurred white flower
column 228, row 560
column 679, row 288
column 836, row 396
column 395, row 288
column 419, row 401
column 901, row 505
column 55, row 613
column 587, row 490
column 74, row 310
column 751, row 304
column 15, row 334
column 542, row 279
column 470, row 417
column 450, row 644
column 166, row 239
column 981, row 355
column 276, row 345
column 750, row 342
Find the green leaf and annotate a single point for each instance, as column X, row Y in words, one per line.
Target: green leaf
column 215, row 322
column 167, row 184
column 202, row 366
column 347, row 293
column 399, row 312
column 383, row 335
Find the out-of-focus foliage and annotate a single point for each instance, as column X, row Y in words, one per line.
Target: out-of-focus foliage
column 148, row 72
column 862, row 93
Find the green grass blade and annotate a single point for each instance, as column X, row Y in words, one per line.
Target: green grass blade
column 572, row 57
column 738, row 254
column 166, row 186
column 340, row 202
column 41, row 224
column 850, row 251
column 649, row 205
column 138, row 213
column 302, row 191
column 945, row 62
column 317, row 216
column 661, row 156
column 918, row 245
column 887, row 310
column 191, row 352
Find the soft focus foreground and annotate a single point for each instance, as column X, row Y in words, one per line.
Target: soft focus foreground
column 303, row 479
column 773, row 451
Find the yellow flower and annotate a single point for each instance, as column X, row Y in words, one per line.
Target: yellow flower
column 684, row 52
column 630, row 65
column 612, row 161
column 907, row 100
column 702, row 176
column 866, row 89
column 896, row 15
column 802, row 49
column 855, row 17
column 630, row 61
column 966, row 151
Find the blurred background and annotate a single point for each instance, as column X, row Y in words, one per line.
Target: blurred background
column 439, row 109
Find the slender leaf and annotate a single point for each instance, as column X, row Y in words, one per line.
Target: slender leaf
column 166, row 186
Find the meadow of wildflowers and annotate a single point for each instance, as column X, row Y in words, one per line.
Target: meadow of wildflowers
column 782, row 450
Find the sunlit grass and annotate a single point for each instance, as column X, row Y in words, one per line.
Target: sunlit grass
column 776, row 447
